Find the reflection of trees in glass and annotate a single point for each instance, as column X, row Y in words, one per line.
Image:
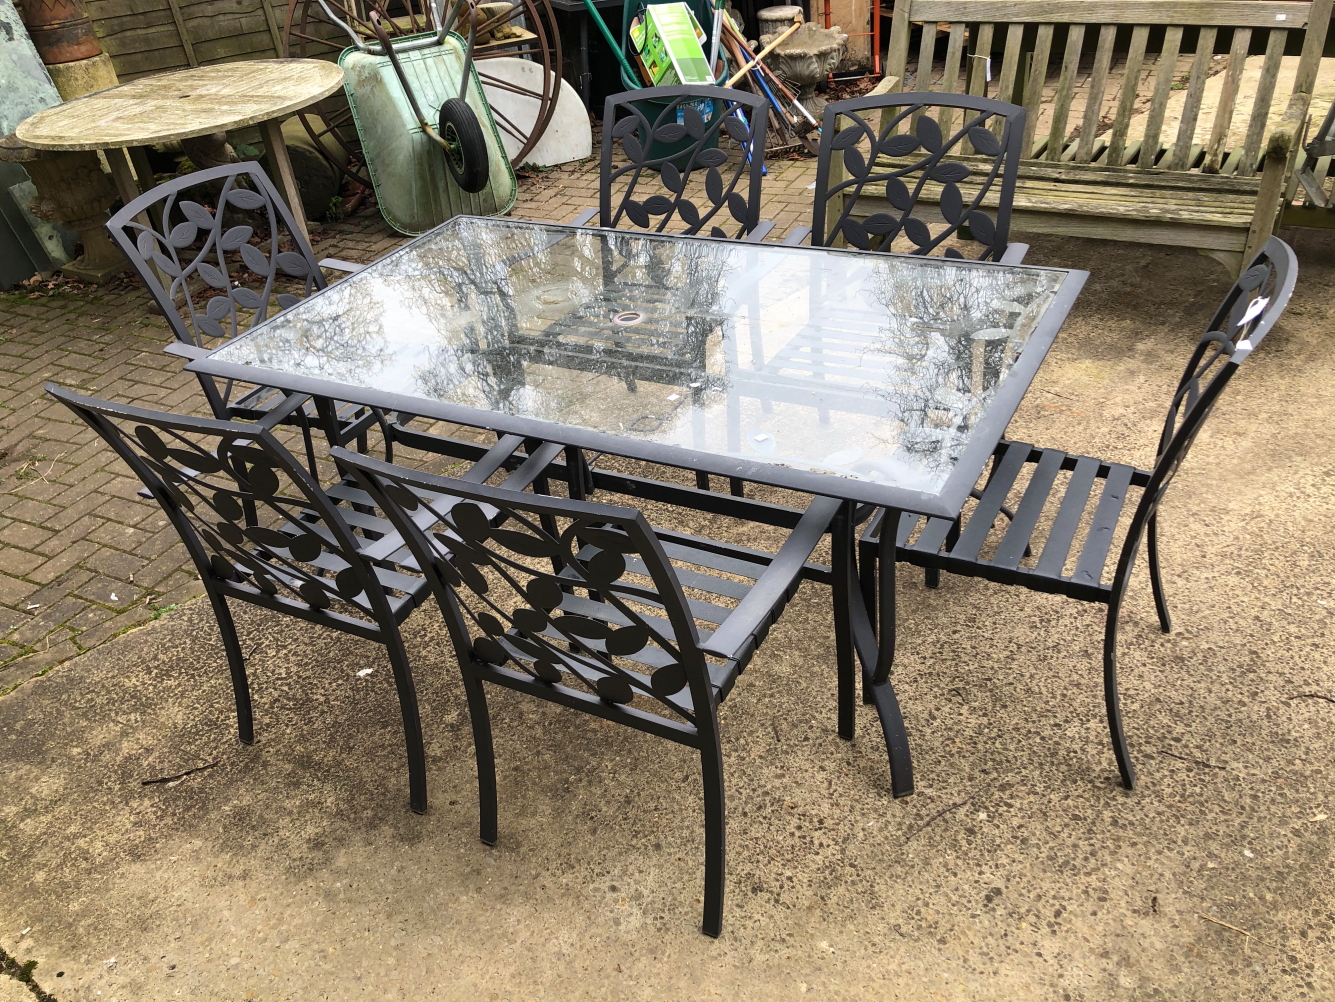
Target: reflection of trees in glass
column 338, row 336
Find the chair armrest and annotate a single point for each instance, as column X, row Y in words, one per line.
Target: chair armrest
column 1014, row 253
column 335, row 264
column 773, row 588
column 183, row 350
column 762, row 230
column 797, row 236
column 583, row 218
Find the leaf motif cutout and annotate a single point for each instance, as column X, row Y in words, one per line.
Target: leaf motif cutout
column 286, row 300
column 738, row 207
column 984, row 141
column 694, row 122
column 625, row 127
column 208, row 326
column 615, row 689
column 982, row 227
column 881, row 224
column 235, row 237
column 952, row 252
column 167, row 265
column 671, row 178
column 952, row 204
column 950, row 171
column 689, row 214
column 897, row 194
column 658, row 205
column 293, row 264
column 917, row 231
column 146, row 242
column 244, row 199
column 213, row 276
column 929, row 134
column 633, row 149
column 524, row 542
column 636, row 213
column 717, row 231
column 196, row 213
column 218, row 307
column 898, row 146
column 182, row 234
column 736, row 128
column 714, row 186
column 856, row 234
column 247, row 299
column 711, row 158
column 255, row 260
column 846, row 139
column 854, row 163
column 670, row 133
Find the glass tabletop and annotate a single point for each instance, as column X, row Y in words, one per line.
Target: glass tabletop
column 755, row 359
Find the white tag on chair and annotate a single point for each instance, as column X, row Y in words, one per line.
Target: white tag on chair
column 1254, row 310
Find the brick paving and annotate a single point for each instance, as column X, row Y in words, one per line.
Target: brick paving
column 82, row 558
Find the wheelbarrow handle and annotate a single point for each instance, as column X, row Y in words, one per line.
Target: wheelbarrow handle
column 403, row 79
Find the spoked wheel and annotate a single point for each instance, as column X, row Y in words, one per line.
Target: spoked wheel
column 522, row 99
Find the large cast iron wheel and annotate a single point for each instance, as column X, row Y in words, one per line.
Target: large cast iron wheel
column 309, row 33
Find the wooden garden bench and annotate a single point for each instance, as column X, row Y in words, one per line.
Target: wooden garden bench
column 1114, row 171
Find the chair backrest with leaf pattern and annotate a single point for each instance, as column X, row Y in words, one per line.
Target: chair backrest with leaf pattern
column 212, row 252
column 257, row 525
column 1253, row 304
column 670, row 146
column 566, row 593
column 934, row 166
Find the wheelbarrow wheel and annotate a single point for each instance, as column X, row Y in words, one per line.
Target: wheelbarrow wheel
column 466, row 156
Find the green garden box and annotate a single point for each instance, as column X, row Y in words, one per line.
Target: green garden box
column 668, row 39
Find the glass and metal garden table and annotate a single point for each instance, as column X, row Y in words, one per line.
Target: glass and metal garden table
column 879, row 379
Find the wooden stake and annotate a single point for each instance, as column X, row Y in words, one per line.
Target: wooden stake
column 763, row 53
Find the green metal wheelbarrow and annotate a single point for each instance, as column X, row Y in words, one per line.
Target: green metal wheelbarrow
column 425, row 173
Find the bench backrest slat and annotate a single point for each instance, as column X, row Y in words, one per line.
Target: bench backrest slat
column 1243, row 13
column 1059, row 129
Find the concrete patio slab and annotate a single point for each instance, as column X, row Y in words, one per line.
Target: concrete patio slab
column 293, row 870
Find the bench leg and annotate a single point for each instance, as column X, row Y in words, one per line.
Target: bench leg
column 1231, row 260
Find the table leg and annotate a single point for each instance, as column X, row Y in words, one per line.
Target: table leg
column 287, row 181
column 123, row 174
column 854, row 622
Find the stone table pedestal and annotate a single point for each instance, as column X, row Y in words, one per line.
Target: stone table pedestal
column 72, row 190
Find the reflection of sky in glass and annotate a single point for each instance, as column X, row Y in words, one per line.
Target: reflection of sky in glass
column 869, row 366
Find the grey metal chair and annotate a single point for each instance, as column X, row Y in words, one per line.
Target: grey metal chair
column 216, row 272
column 972, row 546
column 260, row 529
column 586, row 605
column 665, row 153
column 923, row 193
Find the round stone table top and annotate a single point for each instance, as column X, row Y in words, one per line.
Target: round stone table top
column 183, row 104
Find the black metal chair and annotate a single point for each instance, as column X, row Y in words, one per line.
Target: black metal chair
column 261, row 530
column 585, row 605
column 653, row 149
column 917, row 156
column 970, row 546
column 224, row 275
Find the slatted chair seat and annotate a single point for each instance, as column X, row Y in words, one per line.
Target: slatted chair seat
column 1097, row 489
column 1214, row 180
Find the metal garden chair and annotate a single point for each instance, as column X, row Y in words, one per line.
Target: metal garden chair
column 214, row 275
column 584, row 605
column 656, row 159
column 970, row 546
column 261, row 530
column 916, row 173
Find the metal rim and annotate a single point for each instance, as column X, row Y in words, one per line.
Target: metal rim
column 308, row 33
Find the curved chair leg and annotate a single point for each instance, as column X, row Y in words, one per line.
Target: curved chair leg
column 711, row 768
column 412, row 722
column 1112, row 702
column 245, row 722
column 1156, row 576
column 486, row 757
column 892, row 729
